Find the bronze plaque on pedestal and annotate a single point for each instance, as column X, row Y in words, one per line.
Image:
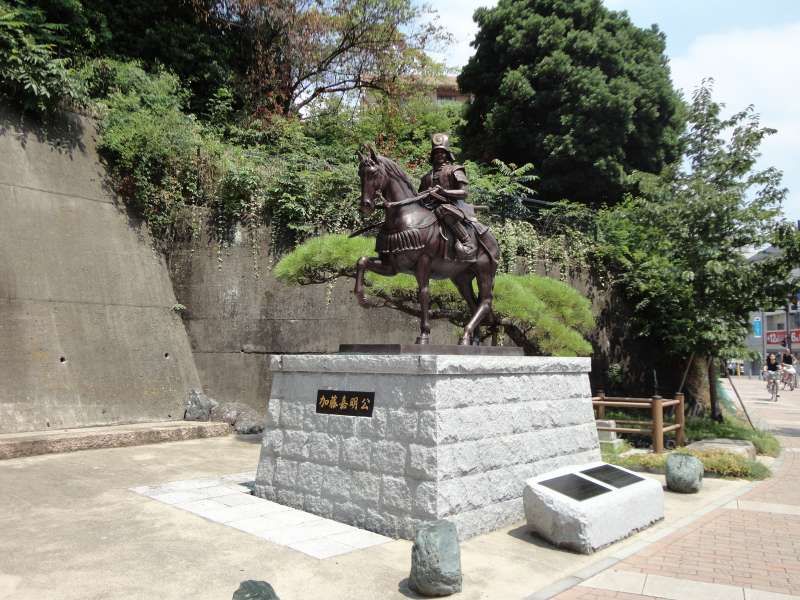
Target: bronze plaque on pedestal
column 340, row 402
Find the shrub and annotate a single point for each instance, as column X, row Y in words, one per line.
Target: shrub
column 31, row 73
column 732, row 428
column 721, row 464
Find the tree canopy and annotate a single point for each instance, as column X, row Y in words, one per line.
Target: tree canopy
column 265, row 57
column 677, row 250
column 300, row 50
column 575, row 89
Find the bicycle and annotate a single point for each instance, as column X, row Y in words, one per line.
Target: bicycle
column 788, row 379
column 772, row 384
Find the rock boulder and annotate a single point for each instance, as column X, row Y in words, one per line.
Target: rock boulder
column 436, row 560
column 743, row 448
column 199, row 406
column 255, row 590
column 242, row 417
column 684, row 473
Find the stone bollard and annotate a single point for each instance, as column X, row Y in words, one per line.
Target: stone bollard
column 608, row 439
column 436, row 560
column 684, row 473
column 255, row 590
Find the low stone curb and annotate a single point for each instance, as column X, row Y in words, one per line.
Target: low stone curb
column 34, row 443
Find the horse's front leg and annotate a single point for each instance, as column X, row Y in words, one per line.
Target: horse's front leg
column 423, row 274
column 369, row 263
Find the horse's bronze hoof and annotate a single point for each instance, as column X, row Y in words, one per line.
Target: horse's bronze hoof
column 423, row 339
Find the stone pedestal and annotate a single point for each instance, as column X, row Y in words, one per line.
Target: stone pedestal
column 581, row 510
column 451, row 437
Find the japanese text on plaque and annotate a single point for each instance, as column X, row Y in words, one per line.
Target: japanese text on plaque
column 338, row 402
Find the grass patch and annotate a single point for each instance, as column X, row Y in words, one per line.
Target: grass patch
column 719, row 464
column 735, row 429
column 698, row 428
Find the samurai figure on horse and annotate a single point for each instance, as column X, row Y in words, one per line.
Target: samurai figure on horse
column 447, row 186
column 431, row 234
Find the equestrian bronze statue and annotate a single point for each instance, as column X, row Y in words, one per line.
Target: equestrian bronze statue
column 430, row 234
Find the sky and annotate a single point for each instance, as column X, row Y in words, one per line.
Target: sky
column 751, row 49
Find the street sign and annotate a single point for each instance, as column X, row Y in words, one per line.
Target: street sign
column 757, row 327
column 778, row 337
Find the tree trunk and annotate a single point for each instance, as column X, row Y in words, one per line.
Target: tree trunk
column 713, row 375
column 697, row 388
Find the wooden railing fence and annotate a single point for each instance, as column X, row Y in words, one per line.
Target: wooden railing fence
column 655, row 426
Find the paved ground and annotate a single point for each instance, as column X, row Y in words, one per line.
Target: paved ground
column 87, row 526
column 748, row 549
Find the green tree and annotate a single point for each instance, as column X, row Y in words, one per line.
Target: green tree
column 677, row 250
column 296, row 52
column 31, row 73
column 575, row 89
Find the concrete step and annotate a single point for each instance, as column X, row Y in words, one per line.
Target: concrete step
column 31, row 443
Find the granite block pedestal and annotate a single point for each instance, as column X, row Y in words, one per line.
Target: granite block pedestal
column 587, row 507
column 449, row 436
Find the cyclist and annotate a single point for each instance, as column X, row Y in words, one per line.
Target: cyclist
column 789, row 371
column 772, row 370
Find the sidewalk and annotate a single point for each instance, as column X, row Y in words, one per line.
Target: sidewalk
column 166, row 522
column 102, row 525
column 749, row 549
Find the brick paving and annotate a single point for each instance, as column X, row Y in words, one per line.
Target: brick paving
column 744, row 548
column 783, row 487
column 752, row 549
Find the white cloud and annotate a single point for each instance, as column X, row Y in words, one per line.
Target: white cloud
column 760, row 67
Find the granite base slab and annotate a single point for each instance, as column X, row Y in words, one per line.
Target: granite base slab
column 575, row 510
column 450, row 436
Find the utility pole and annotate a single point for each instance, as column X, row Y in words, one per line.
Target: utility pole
column 788, row 326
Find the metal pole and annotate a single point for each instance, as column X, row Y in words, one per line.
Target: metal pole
column 735, row 391
column 788, row 343
column 763, row 341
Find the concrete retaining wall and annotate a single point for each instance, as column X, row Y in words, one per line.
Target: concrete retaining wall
column 87, row 331
column 238, row 313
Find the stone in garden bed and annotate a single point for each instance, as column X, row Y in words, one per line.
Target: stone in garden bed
column 743, row 448
column 684, row 473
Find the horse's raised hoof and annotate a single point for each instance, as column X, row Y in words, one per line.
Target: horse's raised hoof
column 423, row 339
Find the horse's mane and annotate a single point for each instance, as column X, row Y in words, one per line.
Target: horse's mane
column 395, row 171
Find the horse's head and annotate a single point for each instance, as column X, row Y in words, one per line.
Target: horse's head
column 373, row 178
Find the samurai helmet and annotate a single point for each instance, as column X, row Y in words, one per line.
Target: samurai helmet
column 441, row 141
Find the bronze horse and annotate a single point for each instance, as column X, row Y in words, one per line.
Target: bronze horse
column 411, row 240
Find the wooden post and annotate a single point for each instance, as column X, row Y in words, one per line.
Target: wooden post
column 658, row 424
column 680, row 419
column 601, row 410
